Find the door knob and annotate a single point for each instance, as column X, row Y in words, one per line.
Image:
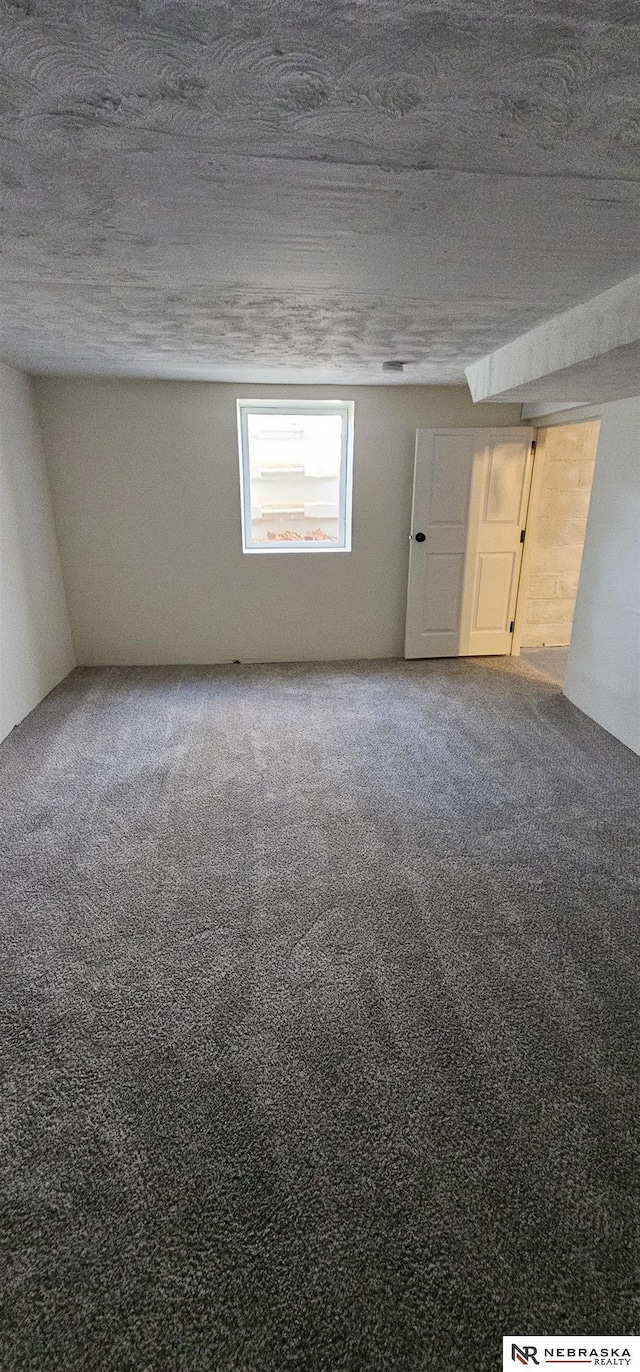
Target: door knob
column 419, row 538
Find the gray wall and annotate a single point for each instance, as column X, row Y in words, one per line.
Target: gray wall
column 145, row 485
column 603, row 674
column 35, row 639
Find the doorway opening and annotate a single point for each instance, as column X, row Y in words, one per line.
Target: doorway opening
column 552, row 555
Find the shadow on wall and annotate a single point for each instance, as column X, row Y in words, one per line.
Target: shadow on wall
column 35, row 639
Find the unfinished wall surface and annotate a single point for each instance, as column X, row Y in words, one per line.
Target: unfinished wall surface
column 603, row 673
column 146, row 491
column 556, row 526
column 35, row 639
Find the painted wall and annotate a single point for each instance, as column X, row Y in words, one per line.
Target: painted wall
column 603, row 674
column 556, row 526
column 144, row 476
column 35, row 638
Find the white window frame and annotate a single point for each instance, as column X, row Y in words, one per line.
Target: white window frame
column 346, row 409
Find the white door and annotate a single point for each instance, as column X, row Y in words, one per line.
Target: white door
column 470, row 494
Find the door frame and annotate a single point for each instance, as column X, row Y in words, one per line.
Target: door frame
column 534, row 492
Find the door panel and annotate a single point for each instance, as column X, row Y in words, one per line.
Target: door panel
column 505, row 483
column 469, row 501
column 449, row 480
column 442, row 585
column 494, row 587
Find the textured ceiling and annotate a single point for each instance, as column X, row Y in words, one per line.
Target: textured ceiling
column 299, row 189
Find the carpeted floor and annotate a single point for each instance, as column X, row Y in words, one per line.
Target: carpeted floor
column 552, row 662
column 319, row 988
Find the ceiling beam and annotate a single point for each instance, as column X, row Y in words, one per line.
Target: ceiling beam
column 588, row 353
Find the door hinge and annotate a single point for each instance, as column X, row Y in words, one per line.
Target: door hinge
column 511, row 626
column 533, row 447
column 522, row 534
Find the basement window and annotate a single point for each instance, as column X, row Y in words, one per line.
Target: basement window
column 296, row 461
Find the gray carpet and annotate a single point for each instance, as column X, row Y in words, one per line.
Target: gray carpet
column 319, row 988
column 551, row 661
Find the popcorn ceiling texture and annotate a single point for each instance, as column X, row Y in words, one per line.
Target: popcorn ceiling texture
column 268, row 190
column 320, row 997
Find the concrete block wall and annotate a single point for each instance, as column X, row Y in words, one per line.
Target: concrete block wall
column 556, row 526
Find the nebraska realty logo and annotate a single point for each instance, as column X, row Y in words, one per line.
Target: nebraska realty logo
column 585, row 1350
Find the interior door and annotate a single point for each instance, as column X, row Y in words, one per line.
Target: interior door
column 441, row 492
column 470, row 495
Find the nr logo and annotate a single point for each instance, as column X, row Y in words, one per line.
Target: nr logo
column 527, row 1354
